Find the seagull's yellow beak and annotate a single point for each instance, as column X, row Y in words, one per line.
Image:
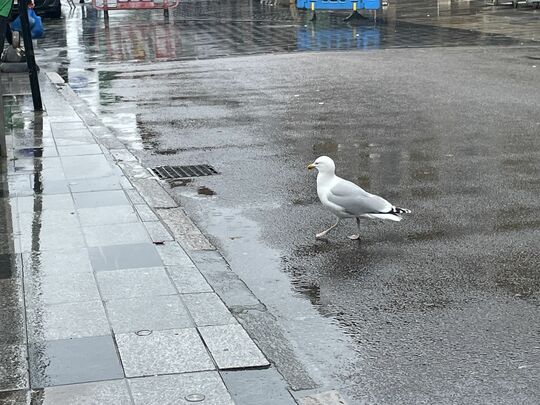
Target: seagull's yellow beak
column 311, row 166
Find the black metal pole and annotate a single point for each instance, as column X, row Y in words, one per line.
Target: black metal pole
column 30, row 59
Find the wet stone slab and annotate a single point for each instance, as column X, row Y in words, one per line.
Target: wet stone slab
column 96, row 184
column 117, row 234
column 69, row 238
column 265, row 387
column 60, row 288
column 120, row 214
column 154, row 194
column 86, row 167
column 97, row 199
column 324, row 398
column 157, row 232
column 13, row 367
column 174, row 389
column 12, row 326
column 139, row 255
column 113, row 392
column 49, row 221
column 208, row 309
column 79, row 150
column 184, row 230
column 148, row 313
column 188, row 279
column 11, row 293
column 57, row 263
column 71, row 361
column 62, row 202
column 20, row 397
column 163, row 352
column 10, row 264
column 132, row 283
column 66, row 321
column 231, row 347
column 145, row 212
column 172, row 254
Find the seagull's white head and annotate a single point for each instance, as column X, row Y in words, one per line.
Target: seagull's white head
column 324, row 165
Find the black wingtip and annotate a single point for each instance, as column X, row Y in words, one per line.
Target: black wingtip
column 398, row 210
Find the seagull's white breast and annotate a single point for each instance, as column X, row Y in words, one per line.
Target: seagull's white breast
column 324, row 185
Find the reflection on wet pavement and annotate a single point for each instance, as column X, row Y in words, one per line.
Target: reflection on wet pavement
column 91, row 55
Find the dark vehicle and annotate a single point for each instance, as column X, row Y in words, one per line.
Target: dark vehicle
column 43, row 8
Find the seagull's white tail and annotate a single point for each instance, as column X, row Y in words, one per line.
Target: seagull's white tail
column 391, row 217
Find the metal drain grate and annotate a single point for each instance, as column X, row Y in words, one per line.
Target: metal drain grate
column 182, row 172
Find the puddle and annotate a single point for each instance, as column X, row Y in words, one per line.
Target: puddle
column 203, row 190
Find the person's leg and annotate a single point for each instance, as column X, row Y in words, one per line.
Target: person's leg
column 4, row 23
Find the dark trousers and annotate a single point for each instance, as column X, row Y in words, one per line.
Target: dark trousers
column 5, row 33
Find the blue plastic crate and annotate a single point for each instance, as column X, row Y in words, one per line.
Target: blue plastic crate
column 339, row 4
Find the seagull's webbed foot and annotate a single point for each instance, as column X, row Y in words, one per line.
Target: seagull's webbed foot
column 354, row 237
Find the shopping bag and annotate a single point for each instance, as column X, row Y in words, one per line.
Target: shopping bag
column 36, row 26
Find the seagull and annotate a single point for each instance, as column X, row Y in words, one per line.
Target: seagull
column 347, row 200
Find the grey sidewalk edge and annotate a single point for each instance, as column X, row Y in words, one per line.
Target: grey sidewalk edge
column 228, row 286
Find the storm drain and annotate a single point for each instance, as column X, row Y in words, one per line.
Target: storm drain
column 182, row 172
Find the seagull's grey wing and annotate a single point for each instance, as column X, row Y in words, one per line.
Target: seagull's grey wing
column 355, row 200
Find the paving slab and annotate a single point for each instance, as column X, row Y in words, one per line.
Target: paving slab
column 231, row 347
column 266, row 387
column 86, row 167
column 157, row 232
column 55, row 202
column 79, row 150
column 61, row 362
column 59, row 288
column 58, row 262
column 12, row 325
column 172, row 254
column 331, row 397
column 208, row 309
column 145, row 212
column 66, row 321
column 148, row 313
column 163, row 352
column 188, row 279
column 114, row 392
column 49, row 221
column 134, row 283
column 20, row 397
column 69, row 238
column 11, row 293
column 13, row 367
column 177, row 389
column 96, row 184
column 126, row 256
column 184, row 230
column 102, row 198
column 116, row 234
column 154, row 194
column 119, row 214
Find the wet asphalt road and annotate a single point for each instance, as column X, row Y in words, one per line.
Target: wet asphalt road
column 440, row 308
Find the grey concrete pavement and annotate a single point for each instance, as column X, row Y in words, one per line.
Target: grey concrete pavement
column 100, row 304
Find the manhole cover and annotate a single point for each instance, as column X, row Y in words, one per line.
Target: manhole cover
column 182, row 172
column 195, row 397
